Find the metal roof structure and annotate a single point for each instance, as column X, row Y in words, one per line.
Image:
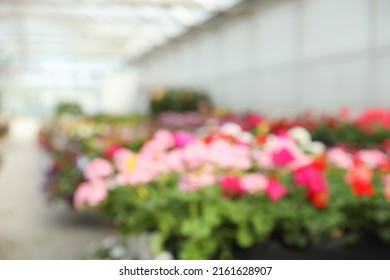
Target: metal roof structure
column 114, row 29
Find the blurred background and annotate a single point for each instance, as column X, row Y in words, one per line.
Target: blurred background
column 275, row 57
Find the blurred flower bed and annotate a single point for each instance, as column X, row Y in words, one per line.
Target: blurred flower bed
column 203, row 196
column 205, row 187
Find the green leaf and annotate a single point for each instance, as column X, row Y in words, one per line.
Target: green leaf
column 244, row 236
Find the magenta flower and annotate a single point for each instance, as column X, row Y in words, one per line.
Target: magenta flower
column 182, row 138
column 275, row 190
column 98, row 169
column 111, row 150
column 231, row 185
column 311, row 178
column 253, row 183
column 90, row 194
column 282, row 157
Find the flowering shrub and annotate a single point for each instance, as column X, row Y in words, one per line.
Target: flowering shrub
column 203, row 196
column 179, row 100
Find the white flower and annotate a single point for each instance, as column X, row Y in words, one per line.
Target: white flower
column 315, row 148
column 245, row 137
column 300, row 135
column 231, row 129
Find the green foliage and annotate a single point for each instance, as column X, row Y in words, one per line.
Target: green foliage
column 68, row 109
column 350, row 135
column 207, row 225
column 178, row 100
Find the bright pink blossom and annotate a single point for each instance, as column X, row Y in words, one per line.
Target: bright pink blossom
column 282, row 157
column 275, row 190
column 182, row 138
column 311, row 178
column 231, row 185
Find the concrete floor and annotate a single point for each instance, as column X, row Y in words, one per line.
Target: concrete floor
column 30, row 227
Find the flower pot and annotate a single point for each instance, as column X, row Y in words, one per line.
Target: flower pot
column 367, row 248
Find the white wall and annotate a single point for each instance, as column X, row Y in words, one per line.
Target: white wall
column 285, row 56
column 120, row 94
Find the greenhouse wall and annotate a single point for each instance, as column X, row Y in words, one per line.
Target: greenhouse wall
column 284, row 56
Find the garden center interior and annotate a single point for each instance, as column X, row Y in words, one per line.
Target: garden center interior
column 194, row 129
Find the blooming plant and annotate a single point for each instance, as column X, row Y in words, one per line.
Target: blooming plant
column 204, row 196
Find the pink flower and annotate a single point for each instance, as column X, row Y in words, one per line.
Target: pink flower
column 373, row 158
column 386, row 180
column 124, row 159
column 252, row 183
column 191, row 182
column 282, row 157
column 226, row 155
column 311, row 178
column 264, row 160
column 275, row 190
column 90, row 193
column 182, row 138
column 165, row 138
column 98, row 169
column 174, row 160
column 195, row 154
column 231, row 185
column 339, row 157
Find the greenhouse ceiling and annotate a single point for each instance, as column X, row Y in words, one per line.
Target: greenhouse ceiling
column 116, row 29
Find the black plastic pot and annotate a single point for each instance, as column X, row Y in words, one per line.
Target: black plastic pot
column 368, row 248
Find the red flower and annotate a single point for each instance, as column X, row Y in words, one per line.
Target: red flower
column 363, row 189
column 261, row 139
column 218, row 135
column 319, row 199
column 359, row 177
column 251, row 120
column 110, row 151
column 231, row 185
column 319, row 163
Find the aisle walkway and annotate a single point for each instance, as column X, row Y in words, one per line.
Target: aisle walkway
column 30, row 228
